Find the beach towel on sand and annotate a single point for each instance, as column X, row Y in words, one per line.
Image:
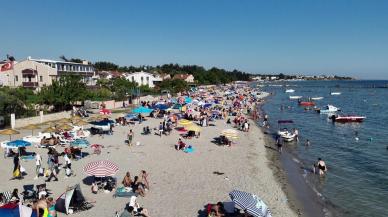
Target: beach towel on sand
column 189, row 149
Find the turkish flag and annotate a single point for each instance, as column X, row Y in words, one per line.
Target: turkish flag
column 7, row 66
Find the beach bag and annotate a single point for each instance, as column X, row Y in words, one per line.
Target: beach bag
column 22, row 169
column 16, row 173
column 68, row 171
column 47, row 173
column 41, row 171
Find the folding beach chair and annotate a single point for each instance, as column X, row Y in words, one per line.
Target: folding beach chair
column 41, row 190
column 7, row 196
column 28, row 192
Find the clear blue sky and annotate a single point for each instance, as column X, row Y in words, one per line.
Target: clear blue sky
column 346, row 37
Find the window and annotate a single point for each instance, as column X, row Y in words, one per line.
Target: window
column 29, row 79
column 16, row 78
column 41, row 78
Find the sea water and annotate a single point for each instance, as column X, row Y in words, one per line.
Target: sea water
column 356, row 154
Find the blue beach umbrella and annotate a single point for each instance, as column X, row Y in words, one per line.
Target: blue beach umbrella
column 80, row 143
column 161, row 106
column 18, row 143
column 142, row 109
column 250, row 203
column 188, row 99
column 131, row 116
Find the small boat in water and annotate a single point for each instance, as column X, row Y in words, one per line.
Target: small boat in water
column 295, row 97
column 317, row 98
column 289, row 91
column 335, row 93
column 328, row 109
column 285, row 134
column 348, row 118
column 306, row 103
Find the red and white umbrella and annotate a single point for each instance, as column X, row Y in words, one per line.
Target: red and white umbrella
column 105, row 111
column 101, row 168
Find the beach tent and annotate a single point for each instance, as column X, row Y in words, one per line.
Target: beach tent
column 16, row 211
column 72, row 198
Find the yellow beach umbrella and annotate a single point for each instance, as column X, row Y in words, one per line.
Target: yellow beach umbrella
column 184, row 122
column 9, row 132
column 32, row 127
column 193, row 127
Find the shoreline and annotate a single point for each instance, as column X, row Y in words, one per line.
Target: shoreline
column 302, row 198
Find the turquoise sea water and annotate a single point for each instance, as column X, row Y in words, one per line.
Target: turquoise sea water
column 357, row 181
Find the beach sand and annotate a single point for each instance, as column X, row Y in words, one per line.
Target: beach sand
column 180, row 184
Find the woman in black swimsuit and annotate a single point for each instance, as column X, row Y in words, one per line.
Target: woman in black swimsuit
column 321, row 167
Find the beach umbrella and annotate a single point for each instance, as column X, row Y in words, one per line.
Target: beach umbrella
column 230, row 134
column 101, row 168
column 193, row 127
column 50, row 130
column 105, row 111
column 9, row 132
column 81, row 123
column 188, row 99
column 184, row 122
column 142, row 109
column 18, row 143
column 32, row 127
column 65, row 127
column 80, row 143
column 250, row 203
column 64, row 121
column 161, row 106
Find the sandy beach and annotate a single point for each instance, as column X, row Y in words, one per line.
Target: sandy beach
column 181, row 184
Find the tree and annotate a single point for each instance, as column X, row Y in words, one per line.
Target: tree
column 174, row 86
column 63, row 93
column 105, row 66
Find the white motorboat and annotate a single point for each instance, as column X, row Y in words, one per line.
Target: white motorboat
column 290, row 90
column 287, row 135
column 328, row 109
column 317, row 98
column 295, row 97
column 335, row 93
column 284, row 133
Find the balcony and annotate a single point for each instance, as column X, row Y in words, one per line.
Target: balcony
column 30, row 84
column 29, row 72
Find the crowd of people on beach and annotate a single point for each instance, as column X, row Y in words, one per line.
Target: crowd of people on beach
column 235, row 110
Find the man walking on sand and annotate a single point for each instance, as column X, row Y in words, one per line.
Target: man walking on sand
column 38, row 163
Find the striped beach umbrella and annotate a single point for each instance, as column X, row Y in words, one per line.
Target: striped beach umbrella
column 101, row 168
column 250, row 203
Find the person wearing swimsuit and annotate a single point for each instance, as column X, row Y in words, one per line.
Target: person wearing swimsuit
column 322, row 168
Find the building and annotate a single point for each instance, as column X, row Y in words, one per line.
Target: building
column 143, row 78
column 36, row 73
column 186, row 77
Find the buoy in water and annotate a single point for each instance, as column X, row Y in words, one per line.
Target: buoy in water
column 371, row 139
column 357, row 138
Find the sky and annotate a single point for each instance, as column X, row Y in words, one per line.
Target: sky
column 343, row 37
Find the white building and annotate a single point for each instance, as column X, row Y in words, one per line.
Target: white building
column 143, row 78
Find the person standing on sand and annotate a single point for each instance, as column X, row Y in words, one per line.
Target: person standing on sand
column 130, row 137
column 160, row 129
column 279, row 144
column 38, row 163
